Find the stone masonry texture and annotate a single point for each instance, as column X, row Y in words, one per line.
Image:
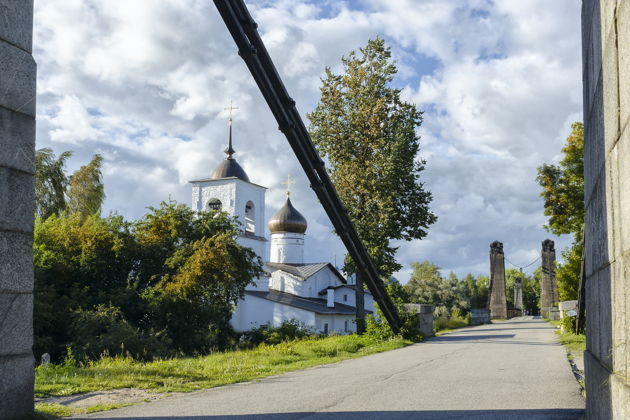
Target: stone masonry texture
column 17, row 156
column 497, row 302
column 518, row 293
column 606, row 92
column 548, row 288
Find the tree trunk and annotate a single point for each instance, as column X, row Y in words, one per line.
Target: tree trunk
column 360, row 302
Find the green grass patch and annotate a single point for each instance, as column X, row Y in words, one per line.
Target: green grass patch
column 573, row 342
column 53, row 411
column 188, row 374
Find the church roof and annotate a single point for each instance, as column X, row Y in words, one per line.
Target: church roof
column 305, row 271
column 229, row 168
column 347, row 286
column 287, row 219
column 309, row 304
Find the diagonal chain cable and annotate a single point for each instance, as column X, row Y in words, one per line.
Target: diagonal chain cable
column 252, row 50
column 519, row 266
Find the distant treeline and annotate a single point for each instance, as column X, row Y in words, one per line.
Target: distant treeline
column 449, row 294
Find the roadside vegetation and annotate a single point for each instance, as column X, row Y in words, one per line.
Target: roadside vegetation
column 193, row 373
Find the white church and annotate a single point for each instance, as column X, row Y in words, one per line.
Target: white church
column 313, row 293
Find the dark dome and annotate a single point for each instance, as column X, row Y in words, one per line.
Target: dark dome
column 287, row 219
column 229, row 168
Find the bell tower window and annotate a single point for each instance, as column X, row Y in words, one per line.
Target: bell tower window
column 214, row 204
column 250, row 217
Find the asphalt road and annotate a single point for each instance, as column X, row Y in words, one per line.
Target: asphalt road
column 507, row 370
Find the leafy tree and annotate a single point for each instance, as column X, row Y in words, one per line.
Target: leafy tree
column 192, row 272
column 50, row 182
column 426, row 285
column 86, row 191
column 563, row 192
column 368, row 134
column 78, row 264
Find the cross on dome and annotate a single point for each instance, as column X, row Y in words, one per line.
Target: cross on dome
column 230, row 151
column 288, row 183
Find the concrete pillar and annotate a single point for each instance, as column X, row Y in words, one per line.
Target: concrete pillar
column 425, row 316
column 518, row 293
column 548, row 287
column 606, row 89
column 497, row 302
column 17, row 194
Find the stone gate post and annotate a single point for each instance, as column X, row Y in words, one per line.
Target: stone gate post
column 497, row 302
column 17, row 148
column 606, row 89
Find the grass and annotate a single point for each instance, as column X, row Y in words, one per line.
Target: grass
column 52, row 411
column 573, row 342
column 188, row 374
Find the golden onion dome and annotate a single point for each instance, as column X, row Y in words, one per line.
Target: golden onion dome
column 287, row 219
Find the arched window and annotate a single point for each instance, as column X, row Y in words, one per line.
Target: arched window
column 214, row 204
column 250, row 217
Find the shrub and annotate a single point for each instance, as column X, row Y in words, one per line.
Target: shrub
column 266, row 334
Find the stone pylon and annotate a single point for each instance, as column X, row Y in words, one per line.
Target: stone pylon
column 518, row 293
column 17, row 198
column 548, row 287
column 497, row 302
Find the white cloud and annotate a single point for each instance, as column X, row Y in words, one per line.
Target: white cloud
column 145, row 83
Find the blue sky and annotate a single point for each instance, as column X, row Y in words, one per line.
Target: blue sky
column 144, row 83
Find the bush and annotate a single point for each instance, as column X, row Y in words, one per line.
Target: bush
column 568, row 324
column 104, row 331
column 267, row 334
column 444, row 321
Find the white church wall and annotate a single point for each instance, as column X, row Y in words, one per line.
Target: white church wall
column 253, row 312
column 287, row 248
column 287, row 283
column 339, row 324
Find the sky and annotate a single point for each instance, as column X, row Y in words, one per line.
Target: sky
column 145, row 83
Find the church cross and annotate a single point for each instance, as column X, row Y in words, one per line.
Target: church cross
column 230, row 108
column 288, row 183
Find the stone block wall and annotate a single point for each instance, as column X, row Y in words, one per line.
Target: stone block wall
column 606, row 89
column 17, row 194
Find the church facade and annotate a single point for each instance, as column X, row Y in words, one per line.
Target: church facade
column 313, row 293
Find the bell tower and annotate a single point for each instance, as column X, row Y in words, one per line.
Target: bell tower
column 229, row 189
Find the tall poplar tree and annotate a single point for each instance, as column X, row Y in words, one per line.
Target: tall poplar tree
column 86, row 192
column 368, row 134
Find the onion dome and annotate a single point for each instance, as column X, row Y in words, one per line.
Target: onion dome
column 229, row 168
column 287, row 219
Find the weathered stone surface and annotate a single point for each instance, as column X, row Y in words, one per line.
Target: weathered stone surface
column 548, row 287
column 518, row 293
column 607, row 199
column 17, row 132
column 16, row 269
column 16, row 382
column 623, row 30
column 16, row 323
column 16, row 23
column 17, row 144
column 597, row 378
column 497, row 302
column 17, row 79
column 16, row 212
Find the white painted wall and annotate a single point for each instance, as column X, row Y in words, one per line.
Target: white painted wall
column 235, row 194
column 287, row 248
column 339, row 324
column 252, row 312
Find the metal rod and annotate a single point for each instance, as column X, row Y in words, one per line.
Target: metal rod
column 252, row 50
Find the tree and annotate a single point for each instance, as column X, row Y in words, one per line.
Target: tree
column 563, row 192
column 191, row 274
column 368, row 134
column 86, row 192
column 50, row 182
column 563, row 187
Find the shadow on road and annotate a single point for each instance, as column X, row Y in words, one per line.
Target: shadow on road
column 558, row 414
